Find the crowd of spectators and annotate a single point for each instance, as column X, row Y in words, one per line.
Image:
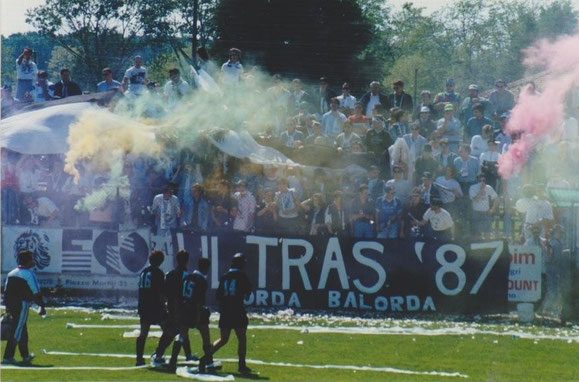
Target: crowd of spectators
column 428, row 167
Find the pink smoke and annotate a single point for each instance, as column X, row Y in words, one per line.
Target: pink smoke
column 538, row 115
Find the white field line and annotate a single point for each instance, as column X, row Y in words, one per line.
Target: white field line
column 384, row 369
column 396, row 330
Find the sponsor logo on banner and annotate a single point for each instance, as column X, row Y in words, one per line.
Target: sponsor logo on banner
column 525, row 273
column 36, row 242
column 121, row 252
column 406, row 276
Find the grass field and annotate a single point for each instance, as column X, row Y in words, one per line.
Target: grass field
column 310, row 348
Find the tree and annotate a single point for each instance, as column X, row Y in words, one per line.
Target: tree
column 300, row 38
column 12, row 47
column 97, row 33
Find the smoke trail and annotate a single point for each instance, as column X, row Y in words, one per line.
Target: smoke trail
column 538, row 117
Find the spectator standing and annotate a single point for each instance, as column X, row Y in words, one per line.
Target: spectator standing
column 232, row 70
column 266, row 216
column 333, row 120
column 360, row 122
column 501, row 135
column 446, row 157
column 426, row 125
column 489, row 163
column 196, row 212
column 389, row 213
column 66, row 87
column 43, row 90
column 297, row 96
column 243, row 221
column 135, row 79
column 475, row 124
column 424, row 163
column 449, row 189
column 375, row 184
column 425, row 102
column 467, row 168
column 415, row 143
column 288, row 206
column 108, row 83
column 336, row 218
column 399, row 98
column 175, row 89
column 20, row 291
column 501, row 100
column 449, row 127
column 347, row 101
column 322, row 96
column 441, row 223
column 448, row 96
column 222, row 207
column 374, row 97
column 466, row 108
column 378, row 140
column 397, row 128
column 409, row 226
column 166, row 209
column 362, row 214
column 479, row 143
column 26, row 73
column 401, row 186
column 482, row 211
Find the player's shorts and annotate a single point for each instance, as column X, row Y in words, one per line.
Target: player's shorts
column 188, row 317
column 151, row 317
column 233, row 319
column 204, row 316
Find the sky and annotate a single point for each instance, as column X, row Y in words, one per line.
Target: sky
column 12, row 12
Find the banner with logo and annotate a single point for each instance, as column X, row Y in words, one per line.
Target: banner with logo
column 407, row 276
column 525, row 273
column 88, row 251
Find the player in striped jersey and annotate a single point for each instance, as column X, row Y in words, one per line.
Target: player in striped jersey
column 20, row 291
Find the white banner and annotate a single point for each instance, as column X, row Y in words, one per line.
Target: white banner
column 46, row 244
column 525, row 273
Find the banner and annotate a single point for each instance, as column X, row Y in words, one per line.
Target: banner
column 405, row 276
column 525, row 273
column 71, row 250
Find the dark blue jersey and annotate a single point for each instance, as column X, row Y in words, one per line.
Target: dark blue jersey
column 21, row 285
column 173, row 282
column 234, row 286
column 151, row 282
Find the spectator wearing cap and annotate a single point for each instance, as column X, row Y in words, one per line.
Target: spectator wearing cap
column 108, row 83
column 449, row 127
column 482, row 210
column 501, row 100
column 414, row 208
column 440, row 222
column 425, row 163
column 446, row 157
column 502, row 135
column 43, row 89
column 479, row 143
column 389, row 214
column 489, row 163
column 333, row 120
column 360, row 123
column 322, row 97
column 399, row 98
column 425, row 101
column 427, row 125
column 232, row 70
column 475, row 124
column 362, row 212
column 8, row 103
column 26, row 73
column 427, row 191
column 448, row 96
column 473, row 98
column 373, row 97
column 246, row 205
column 401, row 186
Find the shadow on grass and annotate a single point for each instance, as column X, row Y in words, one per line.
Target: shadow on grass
column 253, row 376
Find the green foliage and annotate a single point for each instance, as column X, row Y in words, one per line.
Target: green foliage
column 12, row 47
column 301, row 38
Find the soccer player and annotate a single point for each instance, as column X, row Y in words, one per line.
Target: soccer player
column 21, row 289
column 173, row 283
column 192, row 313
column 234, row 286
column 151, row 300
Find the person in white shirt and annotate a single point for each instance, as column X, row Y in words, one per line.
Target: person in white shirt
column 43, row 90
column 246, row 204
column 347, row 101
column 441, row 223
column 489, row 163
column 42, row 211
column 333, row 120
column 26, row 73
column 166, row 209
column 232, row 70
column 482, row 211
column 175, row 88
column 479, row 143
column 135, row 79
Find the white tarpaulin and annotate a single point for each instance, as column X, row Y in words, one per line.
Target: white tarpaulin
column 242, row 145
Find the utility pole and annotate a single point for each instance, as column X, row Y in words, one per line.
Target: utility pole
column 194, row 31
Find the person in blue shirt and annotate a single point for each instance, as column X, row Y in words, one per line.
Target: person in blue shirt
column 108, row 83
column 467, row 168
column 389, row 214
column 475, row 124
